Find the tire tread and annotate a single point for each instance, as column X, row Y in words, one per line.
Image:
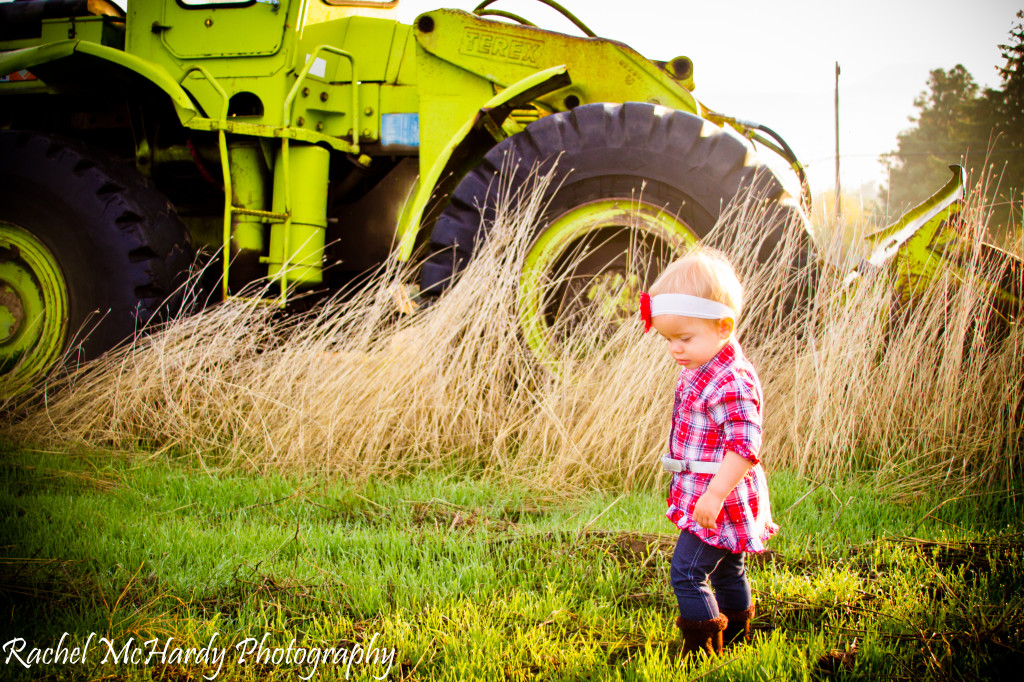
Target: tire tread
column 127, row 228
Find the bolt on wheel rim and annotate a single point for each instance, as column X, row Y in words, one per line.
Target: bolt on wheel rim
column 33, row 308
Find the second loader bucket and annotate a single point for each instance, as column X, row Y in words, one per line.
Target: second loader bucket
column 929, row 240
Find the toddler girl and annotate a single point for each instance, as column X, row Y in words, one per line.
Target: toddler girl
column 718, row 497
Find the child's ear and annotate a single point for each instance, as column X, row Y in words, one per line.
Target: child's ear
column 725, row 327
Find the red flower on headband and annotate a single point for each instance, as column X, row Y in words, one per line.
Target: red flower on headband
column 645, row 310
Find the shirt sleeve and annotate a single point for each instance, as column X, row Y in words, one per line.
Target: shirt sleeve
column 735, row 406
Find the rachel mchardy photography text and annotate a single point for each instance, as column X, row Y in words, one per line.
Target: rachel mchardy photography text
column 156, row 651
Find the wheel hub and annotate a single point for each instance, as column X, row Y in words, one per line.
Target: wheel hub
column 33, row 308
column 12, row 311
column 613, row 294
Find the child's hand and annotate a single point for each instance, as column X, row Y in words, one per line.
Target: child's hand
column 707, row 509
column 709, row 506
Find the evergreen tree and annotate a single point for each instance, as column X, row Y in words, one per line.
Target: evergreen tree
column 1007, row 106
column 983, row 131
column 946, row 132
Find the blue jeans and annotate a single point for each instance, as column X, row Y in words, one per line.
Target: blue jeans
column 693, row 563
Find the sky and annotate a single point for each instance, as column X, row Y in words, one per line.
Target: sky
column 774, row 62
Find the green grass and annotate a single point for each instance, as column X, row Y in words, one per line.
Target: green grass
column 470, row 579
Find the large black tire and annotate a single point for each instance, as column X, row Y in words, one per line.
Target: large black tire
column 119, row 245
column 675, row 161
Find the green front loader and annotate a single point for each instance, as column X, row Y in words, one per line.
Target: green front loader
column 298, row 144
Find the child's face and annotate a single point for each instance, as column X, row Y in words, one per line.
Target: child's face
column 693, row 341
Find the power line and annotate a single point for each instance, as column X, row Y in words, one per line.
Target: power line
column 887, row 154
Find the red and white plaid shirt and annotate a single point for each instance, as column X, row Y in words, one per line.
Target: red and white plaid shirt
column 718, row 409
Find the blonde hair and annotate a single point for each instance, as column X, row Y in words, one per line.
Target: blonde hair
column 702, row 272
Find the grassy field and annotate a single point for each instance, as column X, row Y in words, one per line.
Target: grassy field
column 447, row 576
column 355, row 492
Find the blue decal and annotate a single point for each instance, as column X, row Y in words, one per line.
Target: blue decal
column 400, row 129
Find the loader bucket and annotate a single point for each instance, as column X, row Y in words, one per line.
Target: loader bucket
column 930, row 239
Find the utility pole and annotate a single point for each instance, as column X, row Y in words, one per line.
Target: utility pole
column 836, row 211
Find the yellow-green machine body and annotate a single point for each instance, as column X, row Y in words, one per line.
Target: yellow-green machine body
column 312, row 75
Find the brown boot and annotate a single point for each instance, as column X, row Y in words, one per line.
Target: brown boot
column 738, row 629
column 702, row 635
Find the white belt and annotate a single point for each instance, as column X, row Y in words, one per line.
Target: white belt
column 678, row 466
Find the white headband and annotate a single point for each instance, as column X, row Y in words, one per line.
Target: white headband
column 689, row 306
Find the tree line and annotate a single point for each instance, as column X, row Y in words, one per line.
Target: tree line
column 980, row 128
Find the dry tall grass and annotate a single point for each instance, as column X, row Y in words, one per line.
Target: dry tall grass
column 355, row 389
